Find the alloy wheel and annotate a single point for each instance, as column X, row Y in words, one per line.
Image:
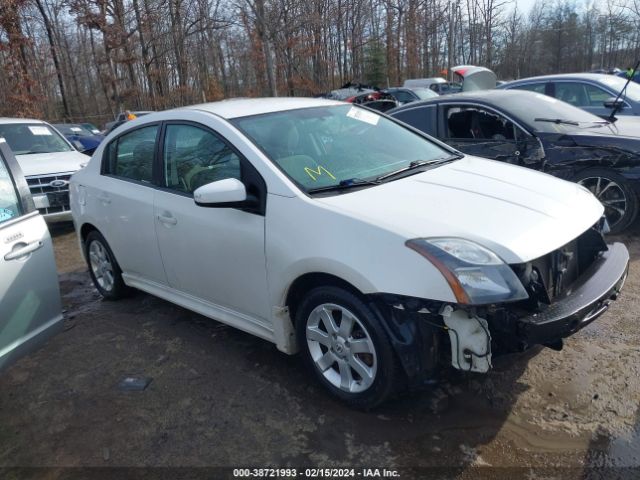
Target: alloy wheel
column 101, row 265
column 341, row 348
column 610, row 194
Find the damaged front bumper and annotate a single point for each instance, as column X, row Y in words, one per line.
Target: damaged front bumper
column 589, row 298
column 417, row 327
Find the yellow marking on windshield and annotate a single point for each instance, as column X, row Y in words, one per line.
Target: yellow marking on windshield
column 315, row 173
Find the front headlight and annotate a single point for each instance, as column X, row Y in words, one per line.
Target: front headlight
column 475, row 274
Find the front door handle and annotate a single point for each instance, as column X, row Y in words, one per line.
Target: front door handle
column 23, row 250
column 167, row 219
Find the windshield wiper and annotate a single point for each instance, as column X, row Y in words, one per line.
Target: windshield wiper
column 417, row 164
column 556, row 120
column 345, row 185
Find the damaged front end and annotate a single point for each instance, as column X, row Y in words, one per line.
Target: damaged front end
column 551, row 298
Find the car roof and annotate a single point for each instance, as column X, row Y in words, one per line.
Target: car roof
column 594, row 77
column 499, row 98
column 244, row 107
column 7, row 120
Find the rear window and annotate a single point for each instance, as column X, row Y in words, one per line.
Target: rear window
column 32, row 138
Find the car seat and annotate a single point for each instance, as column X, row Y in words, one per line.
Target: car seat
column 139, row 168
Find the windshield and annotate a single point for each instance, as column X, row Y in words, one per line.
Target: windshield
column 28, row 138
column 324, row 146
column 617, row 84
column 547, row 114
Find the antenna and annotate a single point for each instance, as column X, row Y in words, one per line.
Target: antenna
column 614, row 110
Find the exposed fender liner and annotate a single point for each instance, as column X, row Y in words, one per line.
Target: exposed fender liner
column 415, row 340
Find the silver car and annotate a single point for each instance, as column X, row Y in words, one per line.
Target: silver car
column 593, row 92
column 30, row 308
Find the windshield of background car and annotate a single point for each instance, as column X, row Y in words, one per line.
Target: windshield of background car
column 27, row 138
column 532, row 106
column 424, row 93
column 73, row 130
column 617, row 84
column 323, row 146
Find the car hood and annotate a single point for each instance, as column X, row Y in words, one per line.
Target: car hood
column 518, row 213
column 623, row 126
column 49, row 163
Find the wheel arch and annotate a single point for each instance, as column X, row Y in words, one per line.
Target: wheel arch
column 310, row 280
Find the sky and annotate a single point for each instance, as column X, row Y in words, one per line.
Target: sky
column 525, row 5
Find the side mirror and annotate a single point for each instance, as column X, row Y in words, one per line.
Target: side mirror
column 612, row 103
column 229, row 192
column 78, row 145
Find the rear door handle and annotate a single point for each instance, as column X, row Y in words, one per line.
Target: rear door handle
column 104, row 199
column 23, row 251
column 168, row 220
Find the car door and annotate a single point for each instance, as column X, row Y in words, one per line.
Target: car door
column 122, row 202
column 480, row 130
column 30, row 309
column 215, row 255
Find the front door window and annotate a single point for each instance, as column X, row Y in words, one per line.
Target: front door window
column 9, row 204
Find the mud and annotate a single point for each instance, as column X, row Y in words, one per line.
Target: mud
column 220, row 397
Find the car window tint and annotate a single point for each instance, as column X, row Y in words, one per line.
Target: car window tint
column 9, row 205
column 131, row 155
column 596, row 96
column 531, row 87
column 478, row 123
column 418, row 117
column 194, row 157
column 573, row 93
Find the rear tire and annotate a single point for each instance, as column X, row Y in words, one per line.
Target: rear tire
column 103, row 267
column 615, row 193
column 344, row 344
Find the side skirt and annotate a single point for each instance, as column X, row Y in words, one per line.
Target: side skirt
column 255, row 326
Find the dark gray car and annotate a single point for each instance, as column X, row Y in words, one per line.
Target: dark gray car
column 589, row 91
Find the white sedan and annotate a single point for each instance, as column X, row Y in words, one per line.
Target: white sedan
column 329, row 229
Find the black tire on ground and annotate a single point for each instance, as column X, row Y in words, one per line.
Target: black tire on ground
column 387, row 373
column 615, row 193
column 117, row 289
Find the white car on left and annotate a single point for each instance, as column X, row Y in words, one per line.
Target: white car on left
column 47, row 159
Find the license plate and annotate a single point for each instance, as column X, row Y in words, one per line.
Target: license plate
column 41, row 201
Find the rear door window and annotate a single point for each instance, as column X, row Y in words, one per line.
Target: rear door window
column 423, row 118
column 531, row 87
column 131, row 155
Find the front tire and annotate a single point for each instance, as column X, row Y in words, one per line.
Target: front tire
column 103, row 267
column 344, row 344
column 616, row 195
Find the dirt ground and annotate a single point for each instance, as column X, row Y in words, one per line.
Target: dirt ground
column 220, row 397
